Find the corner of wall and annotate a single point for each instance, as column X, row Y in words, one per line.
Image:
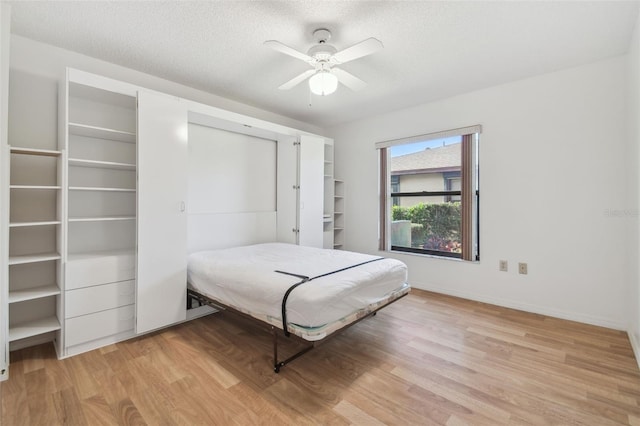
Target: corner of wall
column 633, row 190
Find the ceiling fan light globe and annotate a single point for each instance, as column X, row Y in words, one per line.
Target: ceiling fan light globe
column 323, row 83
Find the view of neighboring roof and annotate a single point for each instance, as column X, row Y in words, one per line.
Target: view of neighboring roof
column 440, row 159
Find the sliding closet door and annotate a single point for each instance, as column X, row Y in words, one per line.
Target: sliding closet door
column 162, row 216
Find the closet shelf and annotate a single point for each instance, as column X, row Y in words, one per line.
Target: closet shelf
column 33, row 293
column 100, row 218
column 34, row 223
column 78, row 162
column 33, row 151
column 97, row 188
column 101, row 133
column 33, row 258
column 34, row 187
column 33, row 328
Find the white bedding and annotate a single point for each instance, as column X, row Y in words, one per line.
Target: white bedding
column 244, row 278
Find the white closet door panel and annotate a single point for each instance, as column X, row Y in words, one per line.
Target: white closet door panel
column 311, row 191
column 162, row 218
column 286, row 201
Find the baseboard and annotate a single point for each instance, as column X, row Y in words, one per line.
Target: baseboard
column 541, row 310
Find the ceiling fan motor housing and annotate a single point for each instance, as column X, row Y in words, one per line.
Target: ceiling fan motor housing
column 322, row 51
column 321, row 35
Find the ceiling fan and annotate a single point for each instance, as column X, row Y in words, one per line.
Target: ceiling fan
column 323, row 57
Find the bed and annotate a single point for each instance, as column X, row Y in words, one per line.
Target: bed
column 297, row 291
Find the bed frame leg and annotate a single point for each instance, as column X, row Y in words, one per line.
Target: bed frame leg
column 277, row 365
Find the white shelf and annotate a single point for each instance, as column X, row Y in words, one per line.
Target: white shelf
column 327, row 220
column 101, row 133
column 33, row 258
column 78, row 162
column 33, row 293
column 32, row 151
column 33, row 328
column 338, row 228
column 38, row 223
column 35, row 186
column 97, row 188
column 101, row 218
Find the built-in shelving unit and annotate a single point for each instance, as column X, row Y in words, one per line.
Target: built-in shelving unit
column 327, row 217
column 101, row 214
column 338, row 214
column 35, row 245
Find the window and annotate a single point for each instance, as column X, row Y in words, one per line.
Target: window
column 429, row 194
column 395, row 187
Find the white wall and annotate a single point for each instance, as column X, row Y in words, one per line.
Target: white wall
column 633, row 160
column 552, row 184
column 47, row 61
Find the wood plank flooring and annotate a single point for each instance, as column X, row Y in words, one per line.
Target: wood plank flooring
column 427, row 359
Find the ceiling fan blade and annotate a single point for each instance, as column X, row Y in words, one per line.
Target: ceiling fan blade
column 297, row 80
column 348, row 79
column 364, row 48
column 283, row 48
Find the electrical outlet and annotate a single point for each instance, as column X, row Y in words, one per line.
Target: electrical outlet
column 522, row 268
column 504, row 266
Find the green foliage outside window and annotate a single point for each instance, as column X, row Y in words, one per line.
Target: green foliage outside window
column 433, row 226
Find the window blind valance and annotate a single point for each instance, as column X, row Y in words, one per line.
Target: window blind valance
column 430, row 136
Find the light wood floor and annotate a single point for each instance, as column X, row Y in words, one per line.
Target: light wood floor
column 427, row 359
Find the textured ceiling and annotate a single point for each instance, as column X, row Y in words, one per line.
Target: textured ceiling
column 432, row 49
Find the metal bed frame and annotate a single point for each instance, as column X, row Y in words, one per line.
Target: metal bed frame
column 277, row 365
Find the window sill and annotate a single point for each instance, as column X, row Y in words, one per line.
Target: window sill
column 430, row 256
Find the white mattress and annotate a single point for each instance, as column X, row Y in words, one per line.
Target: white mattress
column 244, row 278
